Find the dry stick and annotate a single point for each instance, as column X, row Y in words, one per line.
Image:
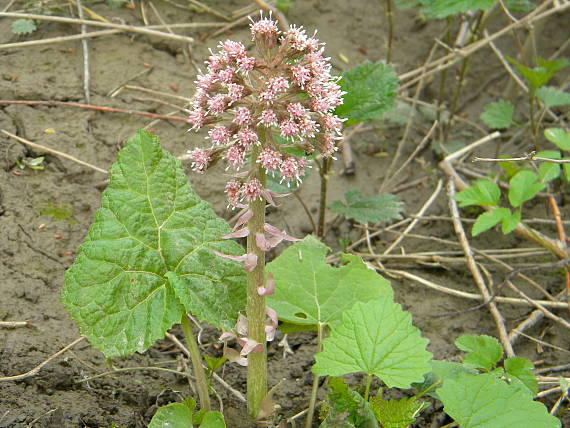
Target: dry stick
column 209, row 9
column 228, row 27
column 460, row 232
column 85, row 48
column 466, row 295
column 451, row 59
column 115, row 91
column 549, row 345
column 129, row 28
column 528, row 157
column 15, row 324
column 422, row 210
column 388, row 177
column 36, row 369
column 152, row 91
column 92, row 107
column 222, row 382
column 101, row 33
column 419, row 148
column 52, row 151
column 562, row 238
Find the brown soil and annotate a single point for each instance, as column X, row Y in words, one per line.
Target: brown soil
column 37, row 244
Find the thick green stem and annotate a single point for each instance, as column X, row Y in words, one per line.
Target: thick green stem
column 256, row 363
column 324, row 172
column 315, row 388
column 196, row 359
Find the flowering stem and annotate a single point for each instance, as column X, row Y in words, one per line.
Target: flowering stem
column 196, row 364
column 257, row 363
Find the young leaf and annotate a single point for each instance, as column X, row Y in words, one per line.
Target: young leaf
column 542, row 73
column 482, row 192
column 548, row 171
column 376, row 338
column 509, row 223
column 309, row 291
column 23, row 26
column 346, row 408
column 213, row 420
column 370, row 90
column 483, row 352
column 397, row 413
column 519, row 369
column 498, row 115
column 553, row 97
column 524, row 186
column 174, row 415
column 475, row 401
column 489, row 219
column 214, row 363
column 368, row 209
column 148, row 256
column 509, row 168
column 559, row 137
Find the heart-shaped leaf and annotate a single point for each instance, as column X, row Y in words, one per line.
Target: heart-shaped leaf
column 148, row 257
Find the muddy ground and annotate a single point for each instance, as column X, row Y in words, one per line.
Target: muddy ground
column 44, row 214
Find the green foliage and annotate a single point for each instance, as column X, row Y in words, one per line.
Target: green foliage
column 214, row 363
column 115, row 4
column 397, row 413
column 346, row 408
column 446, row 8
column 486, row 401
column 548, row 171
column 370, row 91
column 559, row 137
column 180, row 415
column 553, row 97
column 498, row 115
column 482, row 193
column 483, row 352
column 519, row 371
column 489, row 219
column 32, row 163
column 523, row 187
column 148, row 256
column 23, row 26
column 368, row 209
column 309, row 291
column 541, row 74
column 376, row 338
column 174, row 415
column 284, row 5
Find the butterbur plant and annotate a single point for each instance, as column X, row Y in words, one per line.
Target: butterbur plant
column 156, row 251
column 283, row 88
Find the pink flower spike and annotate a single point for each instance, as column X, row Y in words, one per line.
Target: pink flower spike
column 250, row 346
column 269, row 288
column 226, row 335
column 272, row 230
column 249, row 260
column 243, row 219
column 241, row 233
column 251, row 190
column 242, row 116
column 268, row 117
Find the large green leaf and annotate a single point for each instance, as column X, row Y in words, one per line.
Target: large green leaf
column 309, row 291
column 498, row 115
column 174, row 415
column 445, row 8
column 483, row 352
column 147, row 258
column 524, row 186
column 559, row 137
column 368, row 209
column 477, row 401
column 376, row 338
column 370, row 90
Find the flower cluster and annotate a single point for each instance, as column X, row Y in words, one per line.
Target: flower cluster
column 260, row 106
